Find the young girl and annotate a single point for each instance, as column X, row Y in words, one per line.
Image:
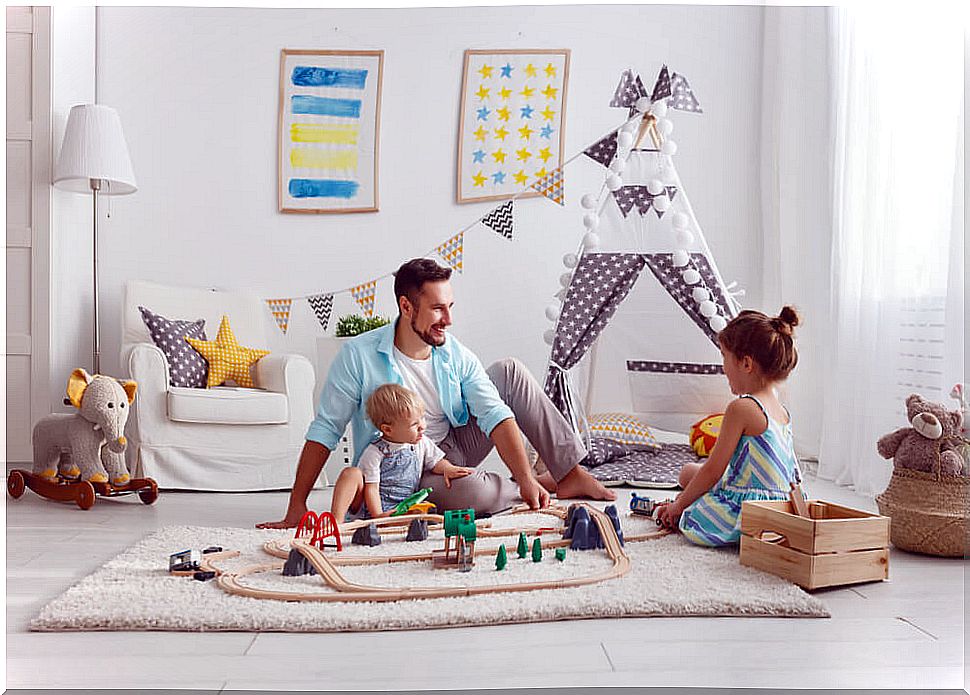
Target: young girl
column 389, row 470
column 754, row 458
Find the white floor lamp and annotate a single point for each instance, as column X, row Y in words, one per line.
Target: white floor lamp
column 94, row 157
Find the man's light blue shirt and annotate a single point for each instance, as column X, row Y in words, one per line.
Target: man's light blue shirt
column 367, row 361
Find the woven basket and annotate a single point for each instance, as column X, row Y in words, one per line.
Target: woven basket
column 930, row 512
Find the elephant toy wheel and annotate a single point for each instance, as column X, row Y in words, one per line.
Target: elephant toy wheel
column 16, row 484
column 85, row 495
column 149, row 495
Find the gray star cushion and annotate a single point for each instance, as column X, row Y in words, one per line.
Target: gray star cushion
column 186, row 367
column 646, row 468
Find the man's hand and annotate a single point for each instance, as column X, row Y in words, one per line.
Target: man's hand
column 293, row 515
column 533, row 493
column 451, row 471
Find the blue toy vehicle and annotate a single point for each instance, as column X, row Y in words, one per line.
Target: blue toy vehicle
column 642, row 505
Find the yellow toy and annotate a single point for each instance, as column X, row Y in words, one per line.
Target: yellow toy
column 703, row 434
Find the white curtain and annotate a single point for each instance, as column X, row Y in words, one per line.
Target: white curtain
column 862, row 190
column 897, row 97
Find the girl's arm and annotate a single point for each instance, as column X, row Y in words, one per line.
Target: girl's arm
column 738, row 417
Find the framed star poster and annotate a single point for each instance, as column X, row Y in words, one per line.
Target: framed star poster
column 512, row 119
column 329, row 130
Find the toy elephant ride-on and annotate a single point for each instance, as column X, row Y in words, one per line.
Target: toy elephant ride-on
column 80, row 455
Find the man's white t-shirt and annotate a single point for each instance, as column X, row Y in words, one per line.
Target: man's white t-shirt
column 426, row 450
column 419, row 377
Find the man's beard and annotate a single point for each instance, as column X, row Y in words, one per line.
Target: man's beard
column 426, row 336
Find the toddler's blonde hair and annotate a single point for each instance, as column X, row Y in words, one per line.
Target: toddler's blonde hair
column 390, row 402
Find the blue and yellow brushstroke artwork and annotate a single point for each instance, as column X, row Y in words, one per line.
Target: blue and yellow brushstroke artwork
column 329, row 130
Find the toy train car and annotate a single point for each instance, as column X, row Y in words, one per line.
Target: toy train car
column 642, row 505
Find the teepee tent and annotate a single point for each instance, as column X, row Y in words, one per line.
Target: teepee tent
column 637, row 330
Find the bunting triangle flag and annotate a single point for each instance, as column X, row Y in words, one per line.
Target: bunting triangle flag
column 500, row 219
column 683, row 96
column 451, row 250
column 551, row 186
column 281, row 312
column 661, row 90
column 364, row 294
column 628, row 90
column 603, row 150
column 322, row 305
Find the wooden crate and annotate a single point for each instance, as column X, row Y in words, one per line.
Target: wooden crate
column 837, row 545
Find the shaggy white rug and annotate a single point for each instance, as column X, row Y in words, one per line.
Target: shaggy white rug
column 669, row 577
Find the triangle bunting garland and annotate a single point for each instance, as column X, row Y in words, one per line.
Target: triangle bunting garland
column 281, row 312
column 603, row 150
column 451, row 251
column 500, row 219
column 551, row 186
column 364, row 294
column 628, row 91
column 322, row 305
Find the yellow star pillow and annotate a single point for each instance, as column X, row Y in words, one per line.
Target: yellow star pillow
column 227, row 358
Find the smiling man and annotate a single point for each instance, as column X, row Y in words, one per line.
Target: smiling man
column 469, row 409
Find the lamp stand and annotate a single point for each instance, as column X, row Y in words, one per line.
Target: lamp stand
column 95, row 187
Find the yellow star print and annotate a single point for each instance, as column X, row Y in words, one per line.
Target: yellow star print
column 523, row 155
column 545, row 154
column 530, row 70
column 542, row 173
column 520, row 176
column 499, row 155
column 482, row 92
column 227, row 358
column 480, row 134
column 501, row 132
column 479, row 179
column 550, row 70
column 527, row 91
column 505, row 92
column 485, row 71
column 549, row 92
column 547, row 113
column 525, row 132
column 503, row 113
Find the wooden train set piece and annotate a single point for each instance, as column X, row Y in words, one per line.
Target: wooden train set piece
column 82, row 492
column 327, row 564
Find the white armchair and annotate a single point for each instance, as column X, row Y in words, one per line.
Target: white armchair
column 224, row 438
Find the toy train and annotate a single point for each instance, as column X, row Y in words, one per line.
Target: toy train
column 642, row 505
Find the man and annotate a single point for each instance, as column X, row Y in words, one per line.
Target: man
column 469, row 409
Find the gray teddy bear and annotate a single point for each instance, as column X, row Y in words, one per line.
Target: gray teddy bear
column 90, row 443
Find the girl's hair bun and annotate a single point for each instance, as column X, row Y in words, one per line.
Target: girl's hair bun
column 786, row 320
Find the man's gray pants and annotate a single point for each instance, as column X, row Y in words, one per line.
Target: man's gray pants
column 541, row 423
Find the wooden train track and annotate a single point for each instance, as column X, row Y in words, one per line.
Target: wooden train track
column 326, row 566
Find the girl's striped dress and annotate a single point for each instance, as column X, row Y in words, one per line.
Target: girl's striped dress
column 762, row 468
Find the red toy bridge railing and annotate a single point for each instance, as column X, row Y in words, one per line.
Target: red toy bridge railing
column 319, row 527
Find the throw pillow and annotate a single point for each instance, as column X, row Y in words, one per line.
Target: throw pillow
column 227, row 358
column 623, row 428
column 185, row 366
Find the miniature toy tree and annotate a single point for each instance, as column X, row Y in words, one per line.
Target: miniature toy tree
column 537, row 550
column 501, row 558
column 523, row 548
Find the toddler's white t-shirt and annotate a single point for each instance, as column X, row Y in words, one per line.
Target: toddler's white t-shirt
column 419, row 377
column 427, row 452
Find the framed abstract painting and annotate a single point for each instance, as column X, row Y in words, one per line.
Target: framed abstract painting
column 511, row 121
column 329, row 130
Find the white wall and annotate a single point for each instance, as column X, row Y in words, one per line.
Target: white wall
column 72, row 82
column 197, row 90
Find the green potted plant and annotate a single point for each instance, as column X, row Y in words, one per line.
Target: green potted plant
column 355, row 324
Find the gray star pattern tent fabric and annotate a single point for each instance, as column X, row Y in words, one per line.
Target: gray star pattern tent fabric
column 600, row 282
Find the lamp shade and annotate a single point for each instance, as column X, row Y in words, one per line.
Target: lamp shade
column 94, row 148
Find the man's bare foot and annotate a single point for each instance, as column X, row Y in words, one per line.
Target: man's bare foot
column 579, row 483
column 291, row 519
column 547, row 481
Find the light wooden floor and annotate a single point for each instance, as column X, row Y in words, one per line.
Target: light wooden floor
column 904, row 633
